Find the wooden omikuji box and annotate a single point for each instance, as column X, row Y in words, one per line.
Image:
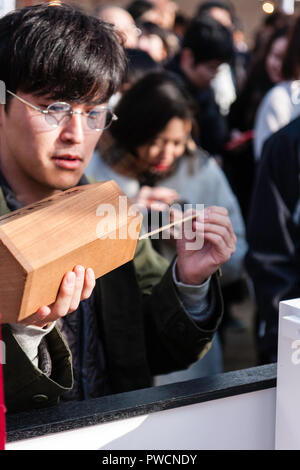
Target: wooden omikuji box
column 86, row 225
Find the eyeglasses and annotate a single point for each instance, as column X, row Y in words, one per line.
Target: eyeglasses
column 60, row 114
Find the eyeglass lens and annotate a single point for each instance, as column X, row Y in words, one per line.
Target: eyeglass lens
column 59, row 114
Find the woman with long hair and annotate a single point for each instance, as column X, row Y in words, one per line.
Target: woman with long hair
column 239, row 159
column 282, row 103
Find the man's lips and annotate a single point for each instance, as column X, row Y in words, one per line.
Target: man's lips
column 67, row 156
column 67, row 161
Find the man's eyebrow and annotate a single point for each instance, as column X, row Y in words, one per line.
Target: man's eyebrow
column 44, row 100
column 49, row 100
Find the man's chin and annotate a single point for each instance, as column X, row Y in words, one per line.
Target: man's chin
column 65, row 183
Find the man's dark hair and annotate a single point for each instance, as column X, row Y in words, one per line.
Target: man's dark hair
column 61, row 52
column 206, row 6
column 208, row 40
column 138, row 7
column 147, row 107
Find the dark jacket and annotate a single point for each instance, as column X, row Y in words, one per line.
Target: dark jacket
column 212, row 126
column 273, row 260
column 142, row 323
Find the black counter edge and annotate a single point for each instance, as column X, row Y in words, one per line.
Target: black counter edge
column 74, row 415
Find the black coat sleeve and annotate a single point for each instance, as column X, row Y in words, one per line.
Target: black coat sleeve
column 273, row 234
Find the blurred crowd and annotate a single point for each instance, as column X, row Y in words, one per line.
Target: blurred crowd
column 197, row 112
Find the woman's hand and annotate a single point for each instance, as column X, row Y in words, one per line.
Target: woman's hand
column 158, row 198
column 76, row 285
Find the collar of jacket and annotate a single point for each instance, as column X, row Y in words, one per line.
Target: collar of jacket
column 4, row 209
column 3, row 206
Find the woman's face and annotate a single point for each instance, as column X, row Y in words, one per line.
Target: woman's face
column 167, row 146
column 274, row 59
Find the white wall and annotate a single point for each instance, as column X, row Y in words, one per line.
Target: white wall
column 288, row 377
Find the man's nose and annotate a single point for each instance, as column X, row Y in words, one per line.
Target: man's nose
column 73, row 131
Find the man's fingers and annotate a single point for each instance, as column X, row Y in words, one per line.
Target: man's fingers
column 76, row 285
column 79, row 281
column 222, row 247
column 219, row 216
column 216, row 210
column 89, row 284
column 222, row 231
column 38, row 318
column 63, row 301
column 216, row 223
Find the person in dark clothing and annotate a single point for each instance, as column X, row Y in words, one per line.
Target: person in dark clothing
column 143, row 10
column 61, row 67
column 239, row 160
column 206, row 45
column 139, row 64
column 273, row 259
column 219, row 10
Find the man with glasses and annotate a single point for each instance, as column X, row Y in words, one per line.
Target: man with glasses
column 57, row 114
column 60, row 68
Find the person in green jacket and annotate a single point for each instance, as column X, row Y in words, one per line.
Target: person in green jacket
column 60, row 67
